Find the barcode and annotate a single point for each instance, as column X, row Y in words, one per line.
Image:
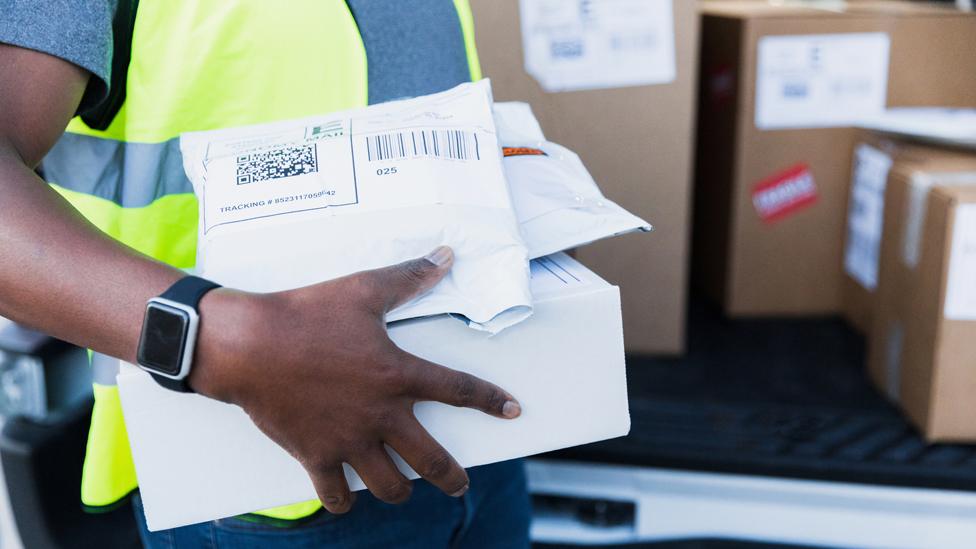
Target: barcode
column 276, row 164
column 449, row 144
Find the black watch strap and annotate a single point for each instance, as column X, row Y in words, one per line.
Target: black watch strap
column 178, row 385
column 188, row 290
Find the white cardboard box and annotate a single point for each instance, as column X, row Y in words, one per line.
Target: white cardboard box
column 198, row 459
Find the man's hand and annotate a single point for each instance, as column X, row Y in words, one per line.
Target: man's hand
column 316, row 371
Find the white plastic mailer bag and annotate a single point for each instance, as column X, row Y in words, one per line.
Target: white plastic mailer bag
column 293, row 203
column 558, row 204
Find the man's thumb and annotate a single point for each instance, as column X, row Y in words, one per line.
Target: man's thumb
column 407, row 280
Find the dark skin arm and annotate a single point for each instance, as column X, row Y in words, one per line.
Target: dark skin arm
column 314, row 367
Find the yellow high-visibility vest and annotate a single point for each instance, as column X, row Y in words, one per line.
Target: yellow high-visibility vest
column 200, row 65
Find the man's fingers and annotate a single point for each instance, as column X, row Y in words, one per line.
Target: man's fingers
column 382, row 477
column 330, row 485
column 428, row 458
column 400, row 283
column 430, row 381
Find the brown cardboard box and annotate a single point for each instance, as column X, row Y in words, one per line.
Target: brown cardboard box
column 923, row 339
column 793, row 263
column 637, row 142
column 875, row 153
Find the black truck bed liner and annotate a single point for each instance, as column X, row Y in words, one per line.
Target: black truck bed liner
column 775, row 397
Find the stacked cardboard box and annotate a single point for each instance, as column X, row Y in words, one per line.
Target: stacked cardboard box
column 875, row 152
column 923, row 334
column 637, row 142
column 782, row 86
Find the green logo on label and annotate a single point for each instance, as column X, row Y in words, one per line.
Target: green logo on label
column 324, row 131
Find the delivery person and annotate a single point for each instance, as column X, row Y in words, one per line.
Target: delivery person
column 113, row 222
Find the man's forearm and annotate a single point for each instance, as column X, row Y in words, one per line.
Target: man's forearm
column 60, row 274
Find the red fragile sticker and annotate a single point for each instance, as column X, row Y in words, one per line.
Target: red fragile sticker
column 784, row 193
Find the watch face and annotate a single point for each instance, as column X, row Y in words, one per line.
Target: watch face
column 163, row 338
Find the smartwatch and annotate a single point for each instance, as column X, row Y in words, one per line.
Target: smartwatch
column 169, row 333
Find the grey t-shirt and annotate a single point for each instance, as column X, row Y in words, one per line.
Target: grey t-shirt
column 79, row 32
column 412, row 48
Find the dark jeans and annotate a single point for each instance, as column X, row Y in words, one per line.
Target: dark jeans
column 493, row 514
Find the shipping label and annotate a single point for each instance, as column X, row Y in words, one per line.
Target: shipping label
column 824, row 80
column 395, row 155
column 865, row 214
column 785, row 193
column 960, row 301
column 586, row 44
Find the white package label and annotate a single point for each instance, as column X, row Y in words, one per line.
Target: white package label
column 557, row 202
column 866, row 214
column 293, row 203
column 960, row 301
column 590, row 44
column 823, row 80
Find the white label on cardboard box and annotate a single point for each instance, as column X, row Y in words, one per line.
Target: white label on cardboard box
column 865, row 214
column 960, row 301
column 582, row 44
column 822, row 80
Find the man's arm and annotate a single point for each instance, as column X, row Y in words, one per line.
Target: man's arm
column 57, row 271
column 314, row 367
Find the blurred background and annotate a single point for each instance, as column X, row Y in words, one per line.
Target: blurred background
column 800, row 327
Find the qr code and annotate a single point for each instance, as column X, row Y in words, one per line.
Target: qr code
column 276, row 164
